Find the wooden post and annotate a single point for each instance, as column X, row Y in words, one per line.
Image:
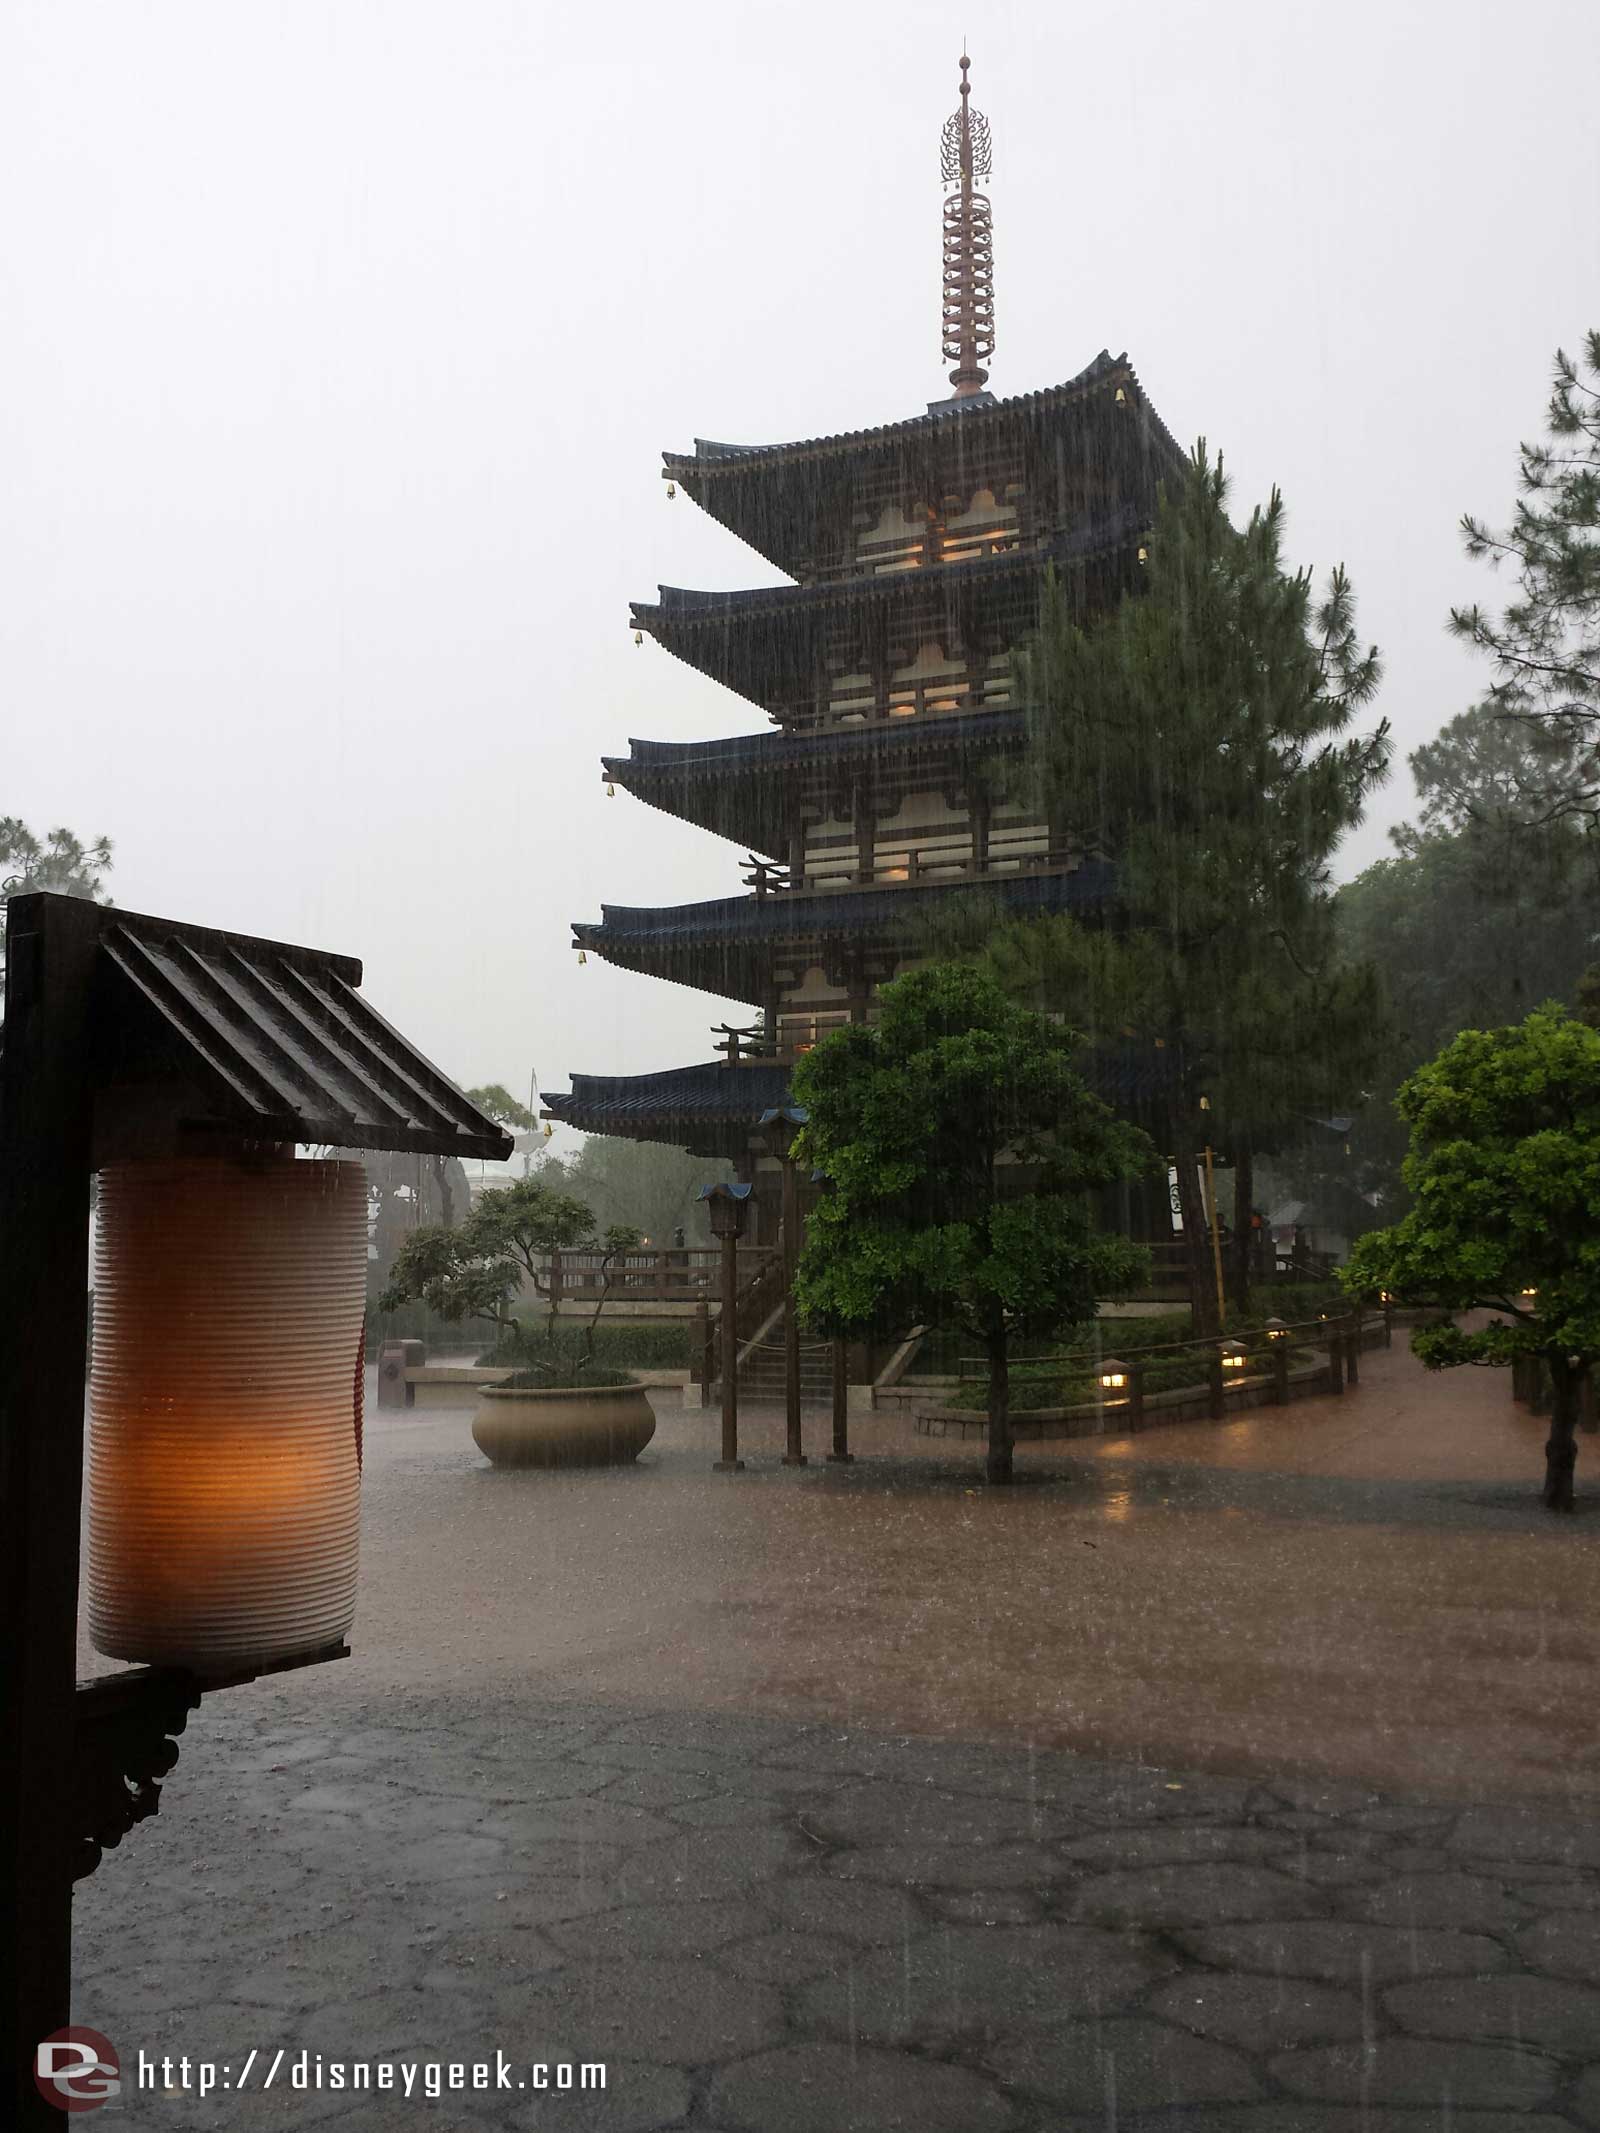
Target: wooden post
column 1218, row 1403
column 793, row 1454
column 703, row 1349
column 979, row 811
column 728, row 1350
column 46, row 1118
column 1280, row 1371
column 841, row 1455
column 1216, row 1238
column 1352, row 1363
column 1335, row 1358
column 1136, row 1395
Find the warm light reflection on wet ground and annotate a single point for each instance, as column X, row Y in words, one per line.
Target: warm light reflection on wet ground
column 1365, row 1586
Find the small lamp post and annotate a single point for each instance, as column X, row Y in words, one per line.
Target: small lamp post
column 726, row 1207
column 781, row 1129
column 1276, row 1329
column 1113, row 1375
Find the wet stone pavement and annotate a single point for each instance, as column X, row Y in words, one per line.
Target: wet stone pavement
column 770, row 1927
column 1166, row 1790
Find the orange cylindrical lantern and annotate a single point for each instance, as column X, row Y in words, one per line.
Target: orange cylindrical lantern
column 225, row 1409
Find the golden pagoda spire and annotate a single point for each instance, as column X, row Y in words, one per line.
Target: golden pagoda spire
column 965, row 153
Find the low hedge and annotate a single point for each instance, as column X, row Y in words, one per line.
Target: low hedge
column 623, row 1345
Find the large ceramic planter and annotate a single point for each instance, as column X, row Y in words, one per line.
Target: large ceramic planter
column 564, row 1425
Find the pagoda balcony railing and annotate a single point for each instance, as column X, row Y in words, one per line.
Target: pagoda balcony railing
column 797, row 1034
column 736, row 1045
column 917, row 551
column 935, row 697
column 1021, row 850
column 676, row 1274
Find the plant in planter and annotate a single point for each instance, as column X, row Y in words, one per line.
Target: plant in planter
column 557, row 1406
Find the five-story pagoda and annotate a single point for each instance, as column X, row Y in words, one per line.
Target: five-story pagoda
column 918, row 553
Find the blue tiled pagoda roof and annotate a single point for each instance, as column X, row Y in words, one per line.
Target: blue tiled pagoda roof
column 744, row 786
column 706, row 1107
column 711, row 1108
column 727, row 946
column 769, row 643
column 792, row 501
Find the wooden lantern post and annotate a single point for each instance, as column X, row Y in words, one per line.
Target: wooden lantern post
column 130, row 1038
column 781, row 1128
column 727, row 1206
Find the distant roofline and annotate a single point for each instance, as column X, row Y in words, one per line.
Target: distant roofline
column 711, row 457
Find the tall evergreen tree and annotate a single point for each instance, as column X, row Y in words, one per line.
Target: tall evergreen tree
column 1198, row 737
column 1546, row 645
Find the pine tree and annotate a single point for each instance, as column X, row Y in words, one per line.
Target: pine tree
column 1546, row 645
column 1197, row 736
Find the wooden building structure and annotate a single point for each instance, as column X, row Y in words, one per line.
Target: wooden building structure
column 883, row 786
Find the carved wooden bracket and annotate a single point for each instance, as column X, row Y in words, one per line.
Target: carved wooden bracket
column 127, row 1728
column 125, row 1741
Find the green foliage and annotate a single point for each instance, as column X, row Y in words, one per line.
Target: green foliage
column 960, row 1145
column 1489, row 907
column 545, row 1368
column 641, row 1184
column 619, row 1343
column 478, row 1269
column 1198, row 736
column 1504, row 1170
column 1546, row 645
column 58, row 862
column 496, row 1101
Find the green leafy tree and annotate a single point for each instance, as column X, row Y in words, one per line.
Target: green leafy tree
column 496, row 1101
column 644, row 1184
column 1489, row 906
column 1504, row 1172
column 480, row 1268
column 1546, row 645
column 1197, row 736
column 960, row 1146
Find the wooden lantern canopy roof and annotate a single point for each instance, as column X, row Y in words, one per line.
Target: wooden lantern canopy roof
column 798, row 504
column 206, row 1033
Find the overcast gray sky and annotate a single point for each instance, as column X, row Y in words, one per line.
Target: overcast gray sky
column 339, row 340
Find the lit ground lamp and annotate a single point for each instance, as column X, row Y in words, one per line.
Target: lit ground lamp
column 1276, row 1329
column 726, row 1208
column 1113, row 1375
column 1234, row 1358
column 183, row 1066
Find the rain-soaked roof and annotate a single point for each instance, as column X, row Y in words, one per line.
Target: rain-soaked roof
column 708, row 455
column 694, row 1106
column 276, row 1042
column 743, row 786
column 793, row 502
column 706, row 1107
column 725, row 946
column 770, row 643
